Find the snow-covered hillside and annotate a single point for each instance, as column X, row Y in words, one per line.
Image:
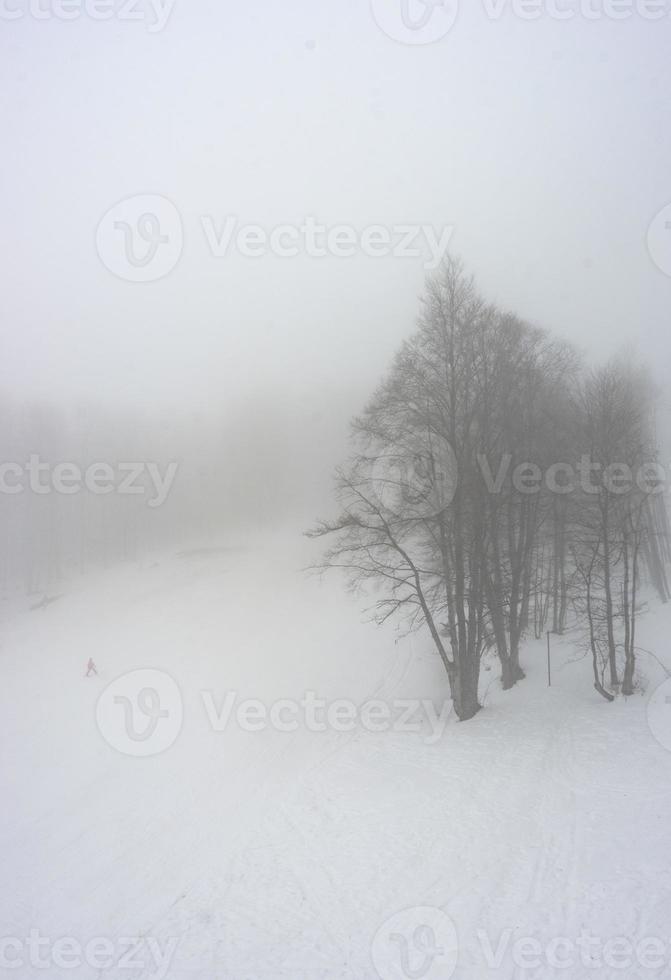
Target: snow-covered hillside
column 274, row 849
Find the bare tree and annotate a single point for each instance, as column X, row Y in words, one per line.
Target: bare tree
column 414, row 517
column 614, row 516
column 434, row 524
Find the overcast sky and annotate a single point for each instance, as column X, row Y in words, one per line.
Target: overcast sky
column 545, row 144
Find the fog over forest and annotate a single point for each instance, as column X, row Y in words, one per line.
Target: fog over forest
column 335, row 552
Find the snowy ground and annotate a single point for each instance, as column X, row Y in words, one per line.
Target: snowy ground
column 284, row 854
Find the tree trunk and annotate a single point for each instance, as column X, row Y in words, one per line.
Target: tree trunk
column 630, row 645
column 607, row 585
column 465, row 689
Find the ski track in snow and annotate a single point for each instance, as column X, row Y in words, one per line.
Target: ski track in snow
column 276, row 855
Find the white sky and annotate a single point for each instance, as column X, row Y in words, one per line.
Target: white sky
column 545, row 144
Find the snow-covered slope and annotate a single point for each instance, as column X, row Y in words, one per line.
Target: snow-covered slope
column 293, row 853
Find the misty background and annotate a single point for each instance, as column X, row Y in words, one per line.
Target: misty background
column 544, row 144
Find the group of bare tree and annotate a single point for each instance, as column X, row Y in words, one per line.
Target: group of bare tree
column 461, row 509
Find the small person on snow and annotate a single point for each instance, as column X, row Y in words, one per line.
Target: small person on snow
column 91, row 667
